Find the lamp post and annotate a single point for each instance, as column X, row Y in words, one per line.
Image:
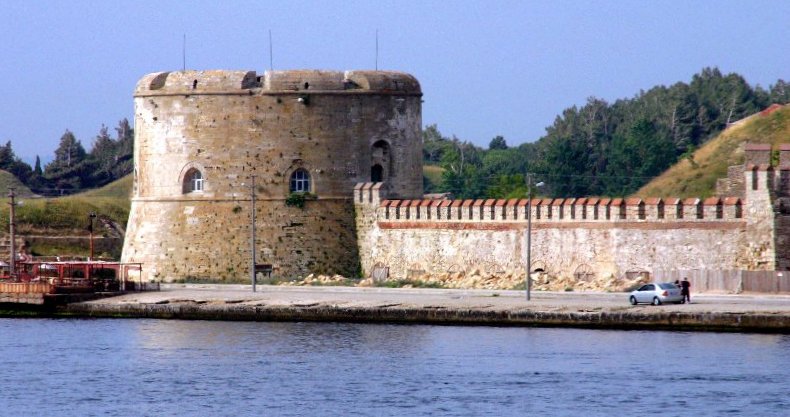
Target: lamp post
column 253, row 277
column 91, row 216
column 529, row 234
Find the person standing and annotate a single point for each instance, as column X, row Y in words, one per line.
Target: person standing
column 685, row 290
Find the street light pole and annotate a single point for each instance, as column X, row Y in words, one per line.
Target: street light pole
column 529, row 234
column 253, row 278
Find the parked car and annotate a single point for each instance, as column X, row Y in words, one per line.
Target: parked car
column 656, row 294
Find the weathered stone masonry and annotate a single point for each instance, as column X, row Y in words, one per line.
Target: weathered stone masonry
column 583, row 238
column 201, row 135
column 352, row 141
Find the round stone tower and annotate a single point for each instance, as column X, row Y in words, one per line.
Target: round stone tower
column 304, row 137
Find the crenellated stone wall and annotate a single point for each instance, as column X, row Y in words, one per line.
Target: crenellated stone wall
column 202, row 137
column 575, row 239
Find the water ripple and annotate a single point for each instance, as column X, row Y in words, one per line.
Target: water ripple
column 175, row 368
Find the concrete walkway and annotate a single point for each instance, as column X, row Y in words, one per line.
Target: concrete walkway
column 744, row 312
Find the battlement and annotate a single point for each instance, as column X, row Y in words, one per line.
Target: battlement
column 563, row 210
column 548, row 210
column 277, row 82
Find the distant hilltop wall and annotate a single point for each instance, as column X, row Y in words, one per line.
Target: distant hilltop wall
column 307, row 137
column 584, row 238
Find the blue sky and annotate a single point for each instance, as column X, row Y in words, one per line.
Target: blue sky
column 487, row 68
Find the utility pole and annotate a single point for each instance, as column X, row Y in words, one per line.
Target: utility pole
column 91, row 216
column 11, row 220
column 253, row 277
column 529, row 236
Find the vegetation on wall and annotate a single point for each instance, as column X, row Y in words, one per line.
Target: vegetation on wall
column 298, row 199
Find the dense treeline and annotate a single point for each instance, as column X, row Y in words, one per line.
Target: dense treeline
column 73, row 168
column 602, row 148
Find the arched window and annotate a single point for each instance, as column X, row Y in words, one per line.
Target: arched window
column 381, row 162
column 193, row 181
column 376, row 173
column 300, row 181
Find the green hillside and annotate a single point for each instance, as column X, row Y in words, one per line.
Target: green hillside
column 696, row 176
column 60, row 225
column 8, row 180
column 121, row 188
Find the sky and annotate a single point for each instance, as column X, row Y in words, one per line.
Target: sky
column 486, row 68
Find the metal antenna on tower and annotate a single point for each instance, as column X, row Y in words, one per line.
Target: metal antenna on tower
column 184, row 53
column 377, row 49
column 271, row 58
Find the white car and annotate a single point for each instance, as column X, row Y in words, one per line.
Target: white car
column 656, row 294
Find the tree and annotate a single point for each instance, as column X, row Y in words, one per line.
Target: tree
column 104, row 155
column 68, row 154
column 37, row 177
column 462, row 175
column 11, row 163
column 124, row 150
column 37, row 170
column 780, row 92
column 498, row 142
column 637, row 157
column 70, row 170
column 6, row 155
column 434, row 145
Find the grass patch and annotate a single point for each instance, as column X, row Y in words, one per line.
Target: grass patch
column 8, row 180
column 434, row 174
column 121, row 188
column 69, row 215
column 64, row 215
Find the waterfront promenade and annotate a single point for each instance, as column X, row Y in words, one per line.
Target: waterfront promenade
column 743, row 312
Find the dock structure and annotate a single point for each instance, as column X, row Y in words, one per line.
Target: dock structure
column 41, row 282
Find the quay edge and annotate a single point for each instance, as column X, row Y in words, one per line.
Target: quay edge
column 625, row 320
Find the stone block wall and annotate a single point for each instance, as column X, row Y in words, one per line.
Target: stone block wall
column 585, row 238
column 228, row 127
column 211, row 241
column 617, row 238
column 454, row 237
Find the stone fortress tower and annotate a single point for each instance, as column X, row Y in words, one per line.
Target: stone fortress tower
column 201, row 136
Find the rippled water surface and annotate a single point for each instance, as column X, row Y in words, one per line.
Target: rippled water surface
column 195, row 368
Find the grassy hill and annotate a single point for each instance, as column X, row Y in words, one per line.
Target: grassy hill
column 8, row 180
column 696, row 176
column 59, row 225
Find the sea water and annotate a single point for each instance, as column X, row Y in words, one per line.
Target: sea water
column 104, row 367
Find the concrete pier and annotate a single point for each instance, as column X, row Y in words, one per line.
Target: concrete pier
column 709, row 312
